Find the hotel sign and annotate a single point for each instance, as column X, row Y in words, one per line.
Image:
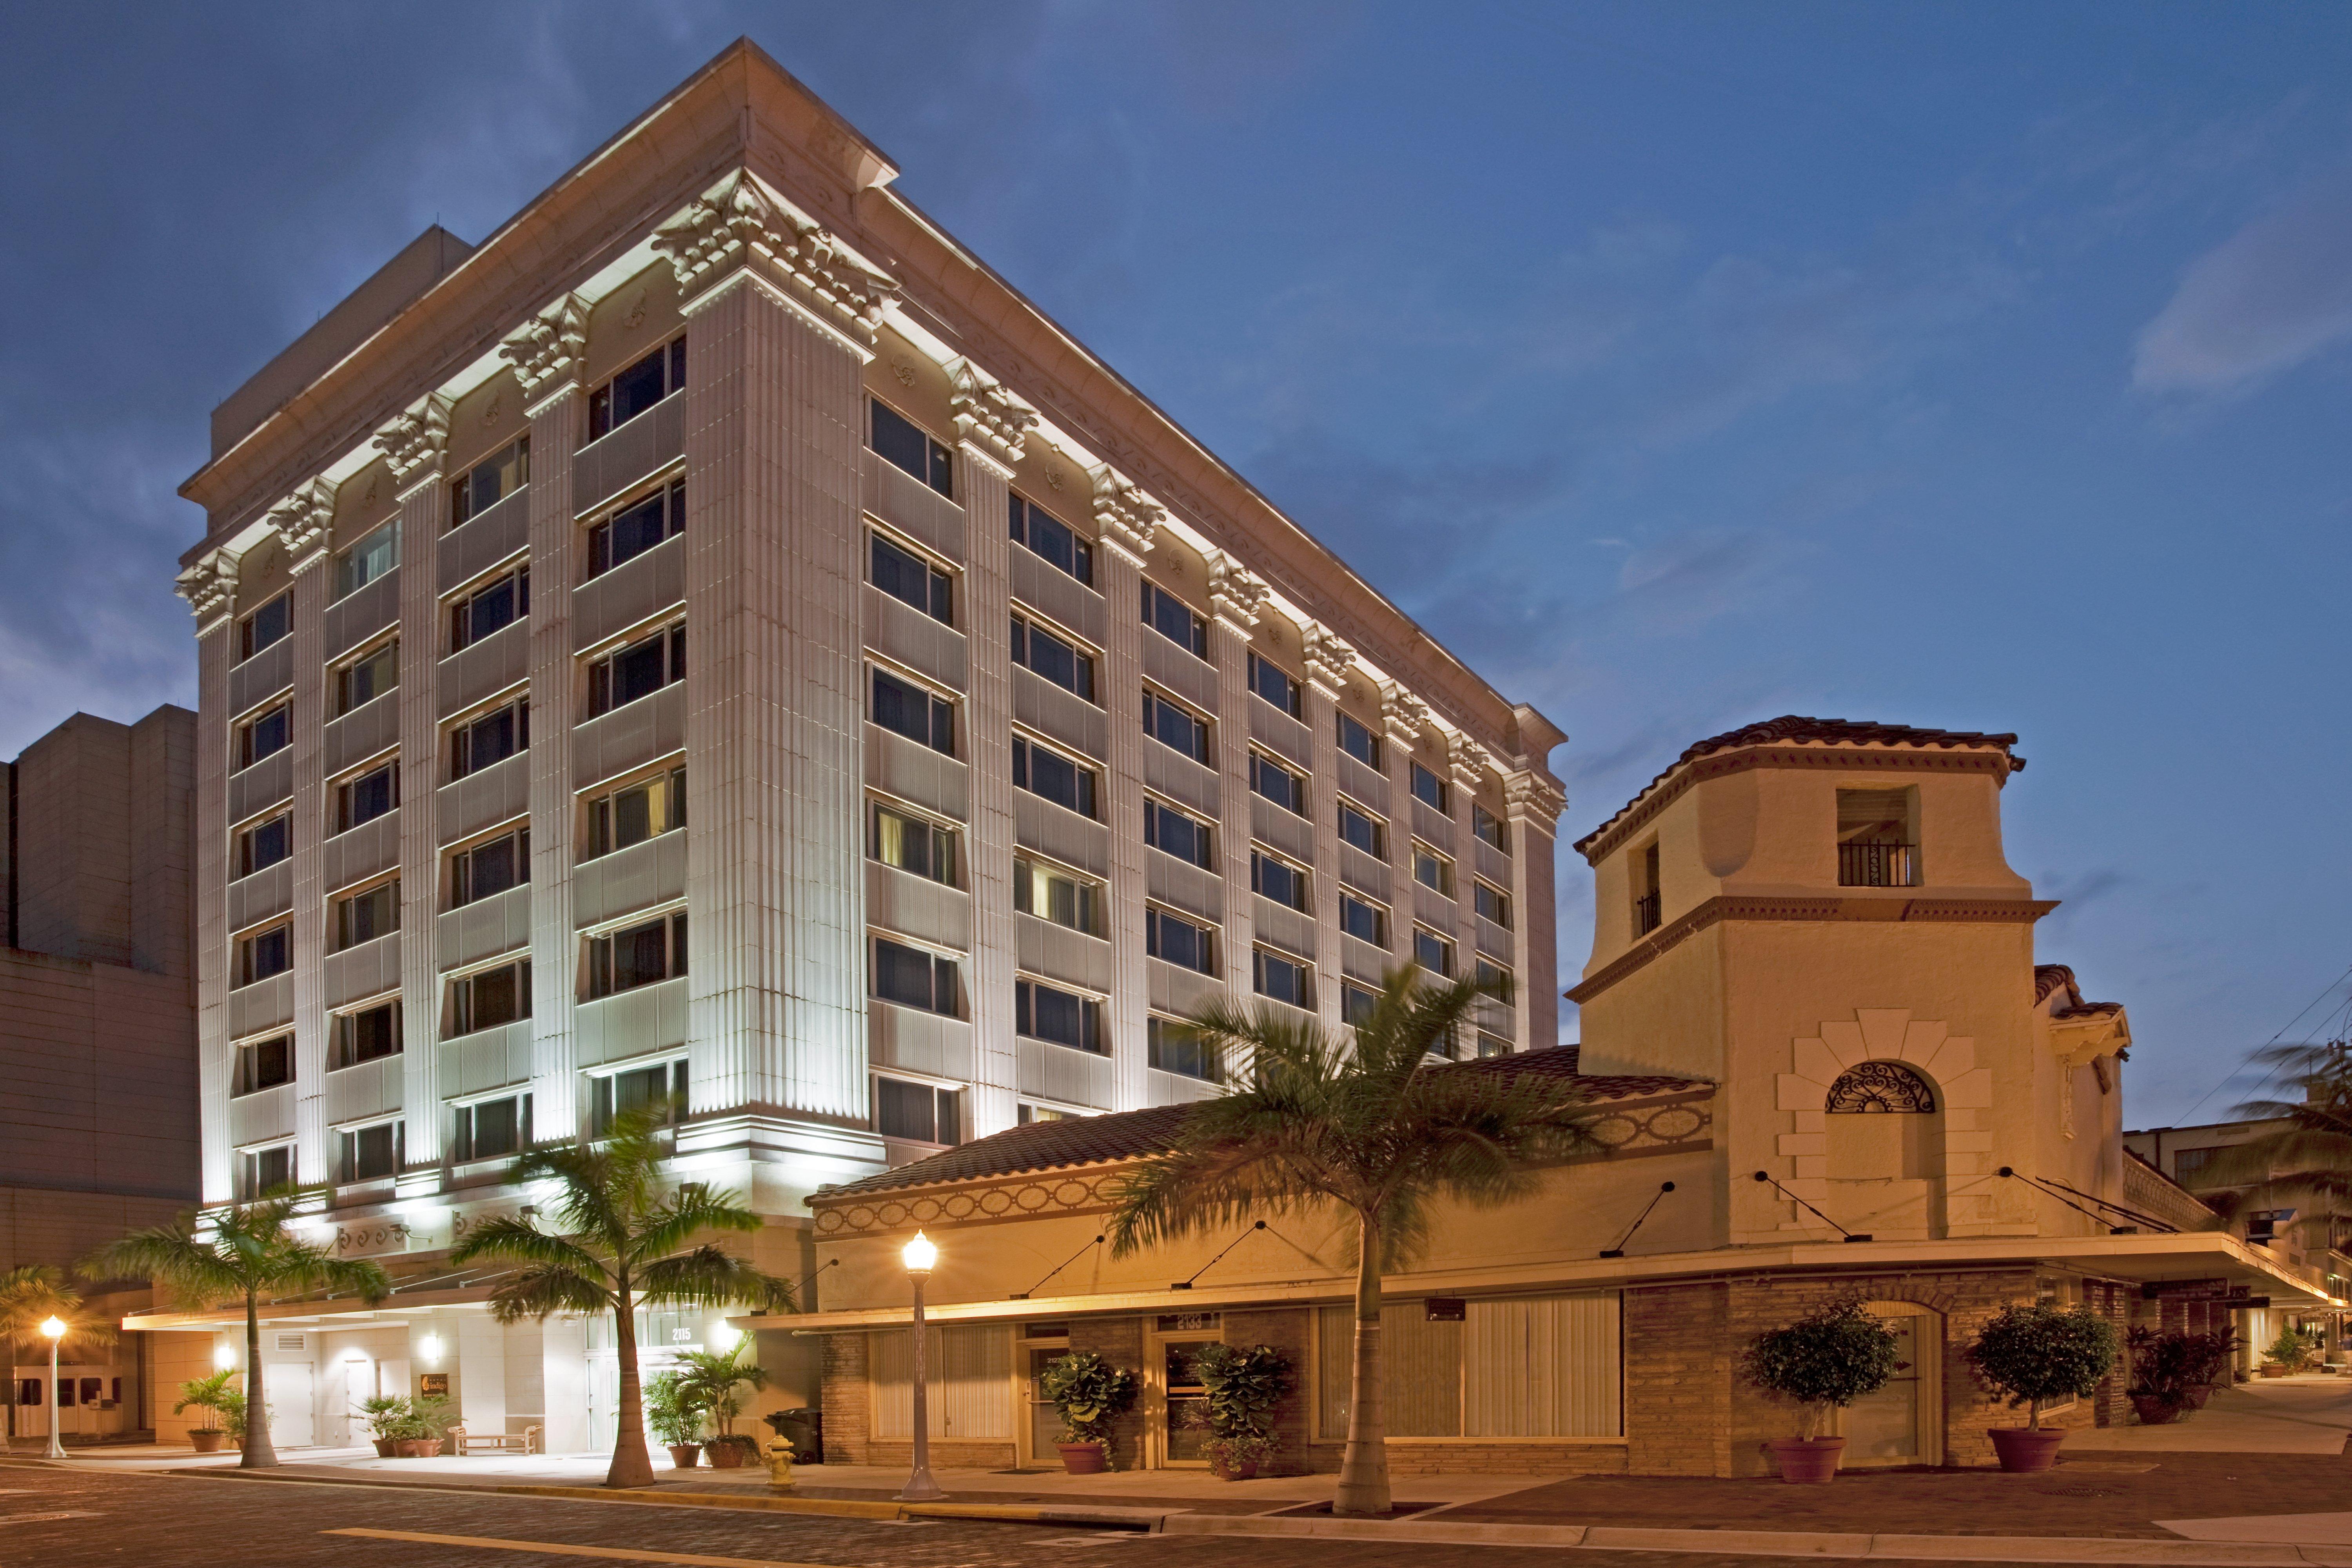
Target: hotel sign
column 2195, row 1290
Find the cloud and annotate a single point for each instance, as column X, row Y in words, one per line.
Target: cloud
column 2276, row 293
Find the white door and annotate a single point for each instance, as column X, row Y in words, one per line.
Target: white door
column 291, row 1395
column 359, row 1387
column 603, row 1402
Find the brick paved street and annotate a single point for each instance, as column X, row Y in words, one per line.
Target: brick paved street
column 184, row 1521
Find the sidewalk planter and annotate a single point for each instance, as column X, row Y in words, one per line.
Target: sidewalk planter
column 1226, row 1469
column 206, row 1440
column 385, row 1448
column 2155, row 1410
column 1083, row 1458
column 1807, row 1462
column 682, row 1456
column 419, row 1448
column 2026, row 1450
column 2196, row 1394
column 2273, row 1369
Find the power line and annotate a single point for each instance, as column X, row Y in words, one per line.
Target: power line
column 2325, row 993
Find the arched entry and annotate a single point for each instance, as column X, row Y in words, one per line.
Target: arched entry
column 1883, row 1135
column 1903, row 1423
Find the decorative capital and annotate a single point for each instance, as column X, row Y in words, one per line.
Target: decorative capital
column 1329, row 661
column 414, row 443
column 301, row 520
column 1470, row 760
column 736, row 226
column 1530, row 796
column 1403, row 714
column 1236, row 594
column 990, row 418
column 210, row 588
column 546, row 350
column 1126, row 517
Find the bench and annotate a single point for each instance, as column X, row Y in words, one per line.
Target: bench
column 523, row 1442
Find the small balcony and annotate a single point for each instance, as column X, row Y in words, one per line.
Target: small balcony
column 1878, row 865
column 1647, row 913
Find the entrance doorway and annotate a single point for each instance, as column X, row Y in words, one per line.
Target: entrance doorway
column 1173, row 1398
column 1903, row 1423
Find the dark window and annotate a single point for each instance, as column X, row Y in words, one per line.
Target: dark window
column 490, row 482
column 1046, row 773
column 1280, row 978
column 637, row 812
column 368, row 1153
column 1172, row 618
column 1277, row 784
column 1051, row 541
column 637, row 528
column 264, row 843
column 1176, row 941
column 662, row 1087
column 1175, row 728
column 489, row 997
column 1172, row 832
column 636, row 389
column 264, row 626
column 495, row 605
column 1493, row 1045
column 368, row 676
column 1055, row 895
column 912, row 845
column 1364, row 921
column 1487, row 827
column 260, row 1172
column 370, row 559
column 1356, row 1003
column 1433, row 953
column 1492, row 902
column 490, row 738
column 903, row 444
column 1433, row 870
column 489, row 868
column 1174, row 1048
column 363, row 917
column 908, row 577
column 365, row 1035
column 1429, row 789
column 639, row 669
column 490, row 1129
column 265, row 734
column 265, row 1064
column 637, row 955
column 1271, row 683
column 914, row 978
column 1359, row 743
column 1053, row 657
column 1280, row 880
column 917, row 1112
column 1044, row 1012
column 369, row 796
column 1498, row 982
column 906, row 709
column 1363, row 830
column 265, row 954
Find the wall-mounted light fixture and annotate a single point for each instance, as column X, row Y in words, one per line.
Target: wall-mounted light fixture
column 429, row 1348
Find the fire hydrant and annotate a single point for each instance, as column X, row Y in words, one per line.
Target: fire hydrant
column 780, row 1465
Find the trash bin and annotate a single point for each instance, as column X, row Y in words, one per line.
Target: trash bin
column 805, row 1430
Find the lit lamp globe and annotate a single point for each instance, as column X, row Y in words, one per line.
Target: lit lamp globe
column 921, row 1254
column 54, row 1328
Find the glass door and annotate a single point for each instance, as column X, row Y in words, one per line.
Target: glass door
column 1175, row 1403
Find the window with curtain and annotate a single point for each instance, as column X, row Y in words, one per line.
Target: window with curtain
column 1526, row 1366
column 969, row 1376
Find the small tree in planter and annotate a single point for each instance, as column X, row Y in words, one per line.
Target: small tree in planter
column 382, row 1414
column 215, row 1397
column 710, row 1381
column 675, row 1417
column 1243, row 1389
column 2033, row 1353
column 2292, row 1350
column 1089, row 1395
column 1823, row 1362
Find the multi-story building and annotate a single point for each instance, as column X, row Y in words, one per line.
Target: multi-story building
column 97, row 1019
column 716, row 638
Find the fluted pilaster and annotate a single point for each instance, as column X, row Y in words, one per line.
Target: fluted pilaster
column 987, row 734
column 424, row 519
column 555, row 423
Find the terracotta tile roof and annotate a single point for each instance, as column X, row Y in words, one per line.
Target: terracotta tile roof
column 1131, row 1134
column 2053, row 977
column 1791, row 729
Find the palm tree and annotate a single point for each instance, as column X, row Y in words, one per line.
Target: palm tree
column 243, row 1250
column 620, row 1243
column 32, row 1293
column 2308, row 1156
column 1312, row 1118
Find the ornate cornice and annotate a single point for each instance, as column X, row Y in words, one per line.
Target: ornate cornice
column 737, row 226
column 1530, row 797
column 1126, row 518
column 546, row 351
column 1469, row 760
column 414, row 443
column 210, row 588
column 1820, row 907
column 301, row 520
column 1237, row 594
column 992, row 421
column 1404, row 715
column 1330, row 661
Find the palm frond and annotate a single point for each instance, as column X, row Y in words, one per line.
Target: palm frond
column 708, row 1276
column 511, row 1240
column 171, row 1256
column 540, row 1291
column 687, row 1212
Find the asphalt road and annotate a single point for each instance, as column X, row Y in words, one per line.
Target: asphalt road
column 66, row 1517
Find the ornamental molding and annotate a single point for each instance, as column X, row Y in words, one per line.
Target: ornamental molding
column 547, row 350
column 1236, row 594
column 991, row 420
column 415, row 442
column 1469, row 760
column 1878, row 1051
column 210, row 588
column 1330, row 661
column 1404, row 715
column 1531, row 797
column 300, row 522
column 1126, row 517
column 737, row 227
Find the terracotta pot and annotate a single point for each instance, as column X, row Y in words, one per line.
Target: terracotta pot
column 1806, row 1460
column 206, row 1440
column 2025, row 1450
column 682, row 1456
column 2196, row 1394
column 2154, row 1409
column 384, row 1448
column 2273, row 1369
column 1246, row 1470
column 1083, row 1458
column 725, row 1455
column 419, row 1448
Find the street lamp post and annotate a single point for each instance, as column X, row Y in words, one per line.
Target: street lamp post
column 54, row 1330
column 920, row 1254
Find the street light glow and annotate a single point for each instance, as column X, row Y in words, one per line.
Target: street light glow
column 921, row 1254
column 54, row 1327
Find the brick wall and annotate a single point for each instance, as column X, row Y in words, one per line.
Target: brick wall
column 1409, row 1457
column 847, row 1401
column 1119, row 1341
column 1678, row 1373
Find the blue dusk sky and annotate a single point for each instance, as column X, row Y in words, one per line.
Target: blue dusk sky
column 1984, row 366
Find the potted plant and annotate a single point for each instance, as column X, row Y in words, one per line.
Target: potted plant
column 379, row 1414
column 2289, row 1355
column 436, row 1414
column 709, row 1381
column 1243, row 1389
column 1089, row 1395
column 2164, row 1368
column 675, row 1419
column 1823, row 1362
column 2034, row 1352
column 2209, row 1359
column 214, row 1396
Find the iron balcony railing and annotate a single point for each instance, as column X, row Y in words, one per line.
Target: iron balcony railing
column 1878, row 865
column 1645, row 914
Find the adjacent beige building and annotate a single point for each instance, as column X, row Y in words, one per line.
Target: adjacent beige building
column 715, row 637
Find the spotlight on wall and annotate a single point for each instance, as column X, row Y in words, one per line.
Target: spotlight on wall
column 430, row 1349
column 224, row 1355
column 721, row 1337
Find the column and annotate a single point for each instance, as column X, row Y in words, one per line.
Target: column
column 1328, row 662
column 210, row 588
column 1235, row 598
column 1532, row 804
column 1125, row 520
column 300, row 522
column 1463, row 759
column 1401, row 716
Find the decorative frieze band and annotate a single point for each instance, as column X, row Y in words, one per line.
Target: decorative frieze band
column 737, row 227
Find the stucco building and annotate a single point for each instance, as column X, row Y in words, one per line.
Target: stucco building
column 715, row 638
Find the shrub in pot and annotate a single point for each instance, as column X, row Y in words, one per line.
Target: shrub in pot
column 2165, row 1369
column 1089, row 1395
column 710, row 1380
column 675, row 1417
column 2210, row 1357
column 2292, row 1350
column 380, row 1412
column 2033, row 1353
column 1243, row 1387
column 217, row 1399
column 435, row 1414
column 1821, row 1361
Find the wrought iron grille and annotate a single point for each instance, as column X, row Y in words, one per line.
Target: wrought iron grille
column 1881, row 1087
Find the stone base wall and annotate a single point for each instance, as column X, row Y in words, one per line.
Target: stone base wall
column 846, row 1400
column 947, row 1453
column 1408, row 1457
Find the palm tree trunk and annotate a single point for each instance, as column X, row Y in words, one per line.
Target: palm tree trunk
column 254, row 1452
column 632, row 1465
column 1364, row 1471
